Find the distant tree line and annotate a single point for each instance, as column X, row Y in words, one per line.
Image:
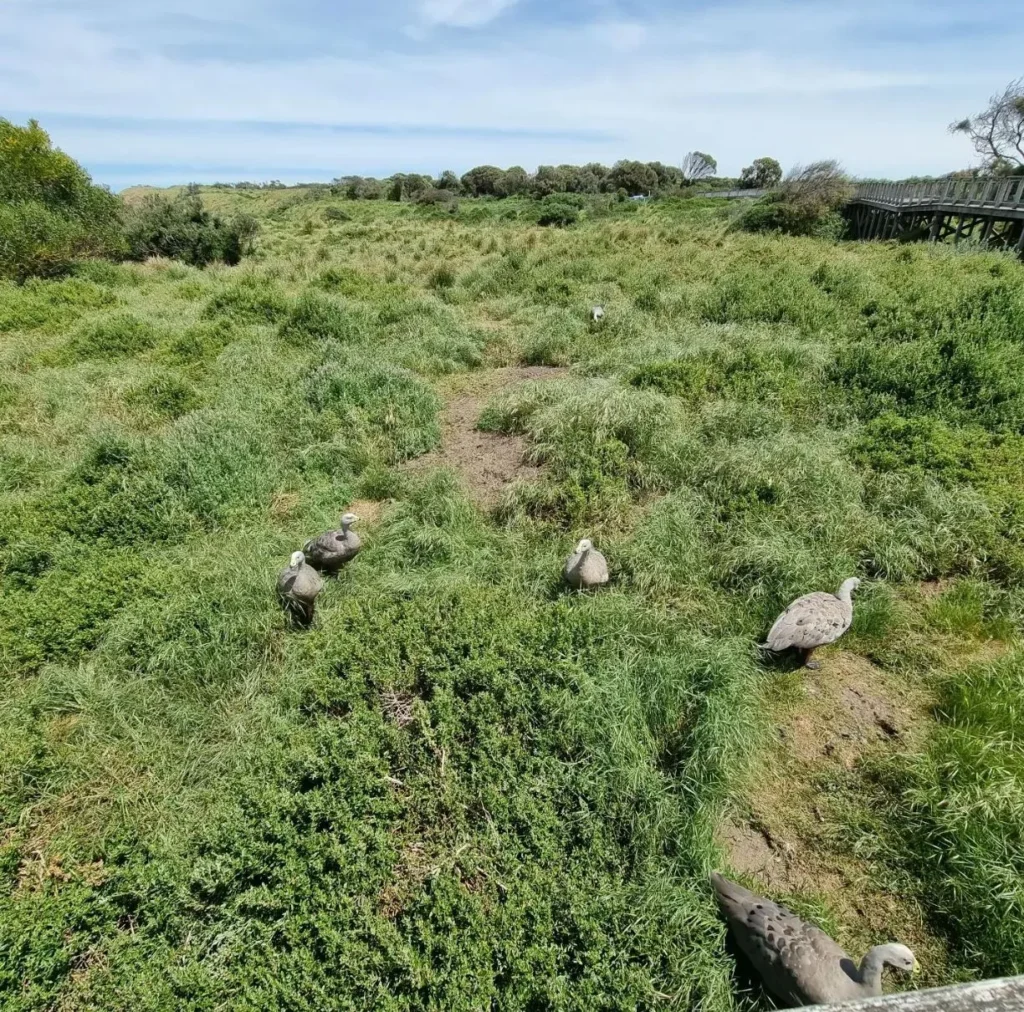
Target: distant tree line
column 627, row 178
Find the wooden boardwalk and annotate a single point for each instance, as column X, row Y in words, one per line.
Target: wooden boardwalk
column 990, row 211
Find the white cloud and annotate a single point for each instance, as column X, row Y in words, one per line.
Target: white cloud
column 463, row 13
column 795, row 81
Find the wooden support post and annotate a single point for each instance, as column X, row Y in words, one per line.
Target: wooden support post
column 959, row 229
column 986, row 231
column 1020, row 242
column 936, row 229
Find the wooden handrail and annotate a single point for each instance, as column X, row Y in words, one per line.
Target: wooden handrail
column 1003, row 995
column 1007, row 192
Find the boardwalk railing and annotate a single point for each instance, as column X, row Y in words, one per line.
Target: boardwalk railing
column 966, row 193
column 1005, row 995
column 734, row 194
column 988, row 210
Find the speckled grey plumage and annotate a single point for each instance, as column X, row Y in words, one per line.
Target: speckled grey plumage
column 298, row 585
column 586, row 567
column 332, row 549
column 797, row 961
column 814, row 620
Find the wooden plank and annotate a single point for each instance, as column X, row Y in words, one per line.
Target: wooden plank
column 1003, row 995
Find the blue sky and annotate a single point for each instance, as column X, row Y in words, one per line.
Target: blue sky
column 160, row 91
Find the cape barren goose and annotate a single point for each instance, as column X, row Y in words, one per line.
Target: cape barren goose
column 332, row 549
column 298, row 586
column 813, row 621
column 586, row 567
column 797, row 961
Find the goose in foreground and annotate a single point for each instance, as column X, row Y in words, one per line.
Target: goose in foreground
column 586, row 567
column 813, row 621
column 596, row 314
column 298, row 586
column 332, row 549
column 797, row 961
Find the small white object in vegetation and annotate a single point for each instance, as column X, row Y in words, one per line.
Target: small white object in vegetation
column 597, row 314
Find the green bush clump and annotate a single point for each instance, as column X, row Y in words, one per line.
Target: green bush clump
column 318, row 318
column 252, row 300
column 51, row 214
column 182, row 229
column 166, row 395
column 65, row 610
column 200, row 342
column 807, row 203
column 782, row 371
column 389, row 408
column 50, row 305
column 559, row 209
column 117, row 337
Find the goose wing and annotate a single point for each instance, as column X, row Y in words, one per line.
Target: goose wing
column 810, row 621
column 797, row 961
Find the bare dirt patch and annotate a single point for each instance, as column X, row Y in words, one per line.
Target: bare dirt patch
column 486, row 461
column 793, row 836
column 368, row 510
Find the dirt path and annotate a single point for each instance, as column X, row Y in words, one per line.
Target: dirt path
column 793, row 836
column 486, row 461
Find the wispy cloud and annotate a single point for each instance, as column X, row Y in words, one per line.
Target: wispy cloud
column 262, row 88
column 463, row 13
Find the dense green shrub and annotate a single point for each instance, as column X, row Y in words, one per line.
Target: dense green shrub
column 251, row 300
column 807, row 203
column 389, row 409
column 317, row 318
column 51, row 214
column 182, row 229
column 115, row 337
column 559, row 209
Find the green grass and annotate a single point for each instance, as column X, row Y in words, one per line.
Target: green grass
column 204, row 809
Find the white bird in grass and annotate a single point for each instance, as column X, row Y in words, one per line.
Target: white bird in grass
column 813, row 621
column 586, row 567
column 298, row 585
column 332, row 549
column 597, row 314
column 797, row 961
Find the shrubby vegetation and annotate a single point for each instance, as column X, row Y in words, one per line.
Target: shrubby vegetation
column 182, row 229
column 807, row 202
column 464, row 788
column 51, row 214
column 52, row 217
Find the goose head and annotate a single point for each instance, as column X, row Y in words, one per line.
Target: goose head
column 297, row 559
column 584, row 546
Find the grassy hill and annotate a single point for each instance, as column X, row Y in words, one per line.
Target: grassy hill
column 465, row 788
